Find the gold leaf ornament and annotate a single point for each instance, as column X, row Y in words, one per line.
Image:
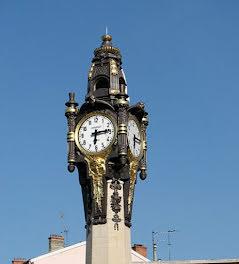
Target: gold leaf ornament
column 113, row 67
column 133, row 169
column 97, row 168
column 91, row 70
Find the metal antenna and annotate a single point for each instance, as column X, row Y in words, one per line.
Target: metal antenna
column 169, row 243
column 169, row 232
column 106, row 30
column 66, row 236
column 64, row 231
column 154, row 245
column 62, row 221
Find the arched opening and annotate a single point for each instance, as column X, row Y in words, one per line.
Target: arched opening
column 102, row 83
column 101, row 87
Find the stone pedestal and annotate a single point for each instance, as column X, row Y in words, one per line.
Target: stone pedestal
column 110, row 243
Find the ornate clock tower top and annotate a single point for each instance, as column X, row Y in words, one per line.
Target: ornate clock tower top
column 106, row 77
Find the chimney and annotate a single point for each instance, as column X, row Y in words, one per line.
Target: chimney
column 55, row 242
column 142, row 250
column 19, row 261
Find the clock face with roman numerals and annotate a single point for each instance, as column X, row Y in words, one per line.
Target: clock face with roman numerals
column 95, row 133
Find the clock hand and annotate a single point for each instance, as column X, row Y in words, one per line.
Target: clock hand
column 103, row 131
column 137, row 140
column 95, row 136
column 100, row 132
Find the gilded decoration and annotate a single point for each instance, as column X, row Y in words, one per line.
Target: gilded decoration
column 113, row 67
column 109, row 49
column 97, row 168
column 106, row 37
column 133, row 169
column 91, row 70
column 70, row 136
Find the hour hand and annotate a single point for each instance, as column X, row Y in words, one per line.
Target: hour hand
column 95, row 136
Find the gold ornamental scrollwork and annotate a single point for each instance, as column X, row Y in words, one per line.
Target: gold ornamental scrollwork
column 107, row 49
column 97, row 168
column 91, row 70
column 133, row 169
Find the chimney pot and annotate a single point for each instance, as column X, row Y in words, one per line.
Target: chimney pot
column 55, row 242
column 19, row 261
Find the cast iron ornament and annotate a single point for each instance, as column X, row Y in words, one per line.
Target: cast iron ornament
column 115, row 203
column 106, row 138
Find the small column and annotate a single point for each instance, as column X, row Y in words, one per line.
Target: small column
column 110, row 243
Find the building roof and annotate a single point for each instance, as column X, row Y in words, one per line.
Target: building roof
column 75, row 254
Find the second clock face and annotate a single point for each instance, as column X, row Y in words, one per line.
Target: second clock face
column 134, row 138
column 95, row 133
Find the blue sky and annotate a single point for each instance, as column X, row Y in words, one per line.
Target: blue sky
column 182, row 59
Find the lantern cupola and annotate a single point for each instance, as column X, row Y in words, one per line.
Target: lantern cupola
column 106, row 78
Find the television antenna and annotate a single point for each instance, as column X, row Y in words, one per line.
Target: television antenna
column 64, row 231
column 169, row 232
column 155, row 244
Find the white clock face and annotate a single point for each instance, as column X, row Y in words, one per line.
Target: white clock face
column 96, row 133
column 134, row 138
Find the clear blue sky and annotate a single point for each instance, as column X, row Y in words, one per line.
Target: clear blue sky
column 182, row 59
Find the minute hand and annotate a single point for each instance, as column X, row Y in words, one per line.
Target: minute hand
column 100, row 132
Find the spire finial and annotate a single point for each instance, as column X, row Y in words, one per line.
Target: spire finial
column 106, row 36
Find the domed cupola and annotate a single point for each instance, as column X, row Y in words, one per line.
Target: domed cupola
column 106, row 77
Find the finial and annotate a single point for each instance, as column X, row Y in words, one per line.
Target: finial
column 106, row 45
column 106, row 36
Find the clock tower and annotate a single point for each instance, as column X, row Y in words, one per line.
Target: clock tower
column 107, row 144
